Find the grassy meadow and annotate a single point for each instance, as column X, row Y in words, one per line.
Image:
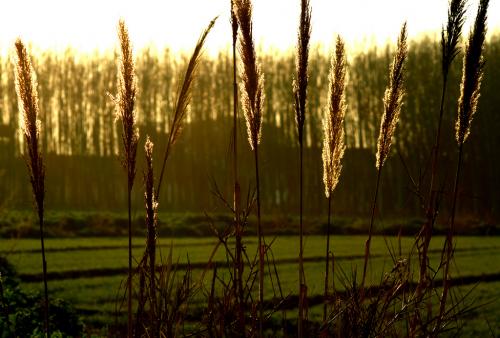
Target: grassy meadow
column 98, row 298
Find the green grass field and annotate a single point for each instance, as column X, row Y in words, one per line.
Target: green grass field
column 98, row 297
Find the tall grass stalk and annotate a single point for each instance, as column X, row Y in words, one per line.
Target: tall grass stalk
column 151, row 225
column 300, row 94
column 238, row 269
column 125, row 101
column 472, row 74
column 26, row 89
column 393, row 101
column 450, row 38
column 333, row 142
column 252, row 100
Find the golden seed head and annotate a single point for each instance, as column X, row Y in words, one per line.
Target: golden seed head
column 472, row 75
column 252, row 86
column 393, row 99
column 125, row 101
column 301, row 64
column 333, row 121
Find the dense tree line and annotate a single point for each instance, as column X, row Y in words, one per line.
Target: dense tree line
column 81, row 141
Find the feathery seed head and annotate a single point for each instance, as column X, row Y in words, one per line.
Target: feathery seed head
column 184, row 95
column 333, row 121
column 393, row 99
column 125, row 101
column 234, row 22
column 252, row 86
column 472, row 74
column 26, row 89
column 450, row 37
column 301, row 64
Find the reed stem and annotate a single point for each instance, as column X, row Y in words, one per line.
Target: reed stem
column 449, row 241
column 327, row 264
column 45, row 289
column 370, row 231
column 129, row 279
column 261, row 248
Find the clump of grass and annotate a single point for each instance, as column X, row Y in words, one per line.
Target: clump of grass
column 300, row 94
column 472, row 73
column 124, row 102
column 393, row 101
column 333, row 140
column 252, row 100
column 26, row 89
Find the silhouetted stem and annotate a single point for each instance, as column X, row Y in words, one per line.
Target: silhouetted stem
column 129, row 280
column 44, row 268
column 448, row 250
column 327, row 256
column 301, row 252
column 368, row 241
column 432, row 205
column 261, row 248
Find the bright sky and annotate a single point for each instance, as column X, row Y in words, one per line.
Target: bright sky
column 91, row 24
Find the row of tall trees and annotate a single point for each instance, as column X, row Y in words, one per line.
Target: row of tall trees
column 81, row 140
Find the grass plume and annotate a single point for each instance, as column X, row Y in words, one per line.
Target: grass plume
column 300, row 94
column 472, row 75
column 183, row 100
column 333, row 123
column 252, row 86
column 450, row 37
column 393, row 101
column 26, row 89
column 333, row 140
column 125, row 102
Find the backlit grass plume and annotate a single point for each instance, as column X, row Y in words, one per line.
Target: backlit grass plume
column 333, row 122
column 183, row 100
column 301, row 65
column 450, row 37
column 252, row 86
column 333, row 142
column 125, row 101
column 472, row 75
column 393, row 99
column 26, row 89
column 252, row 100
